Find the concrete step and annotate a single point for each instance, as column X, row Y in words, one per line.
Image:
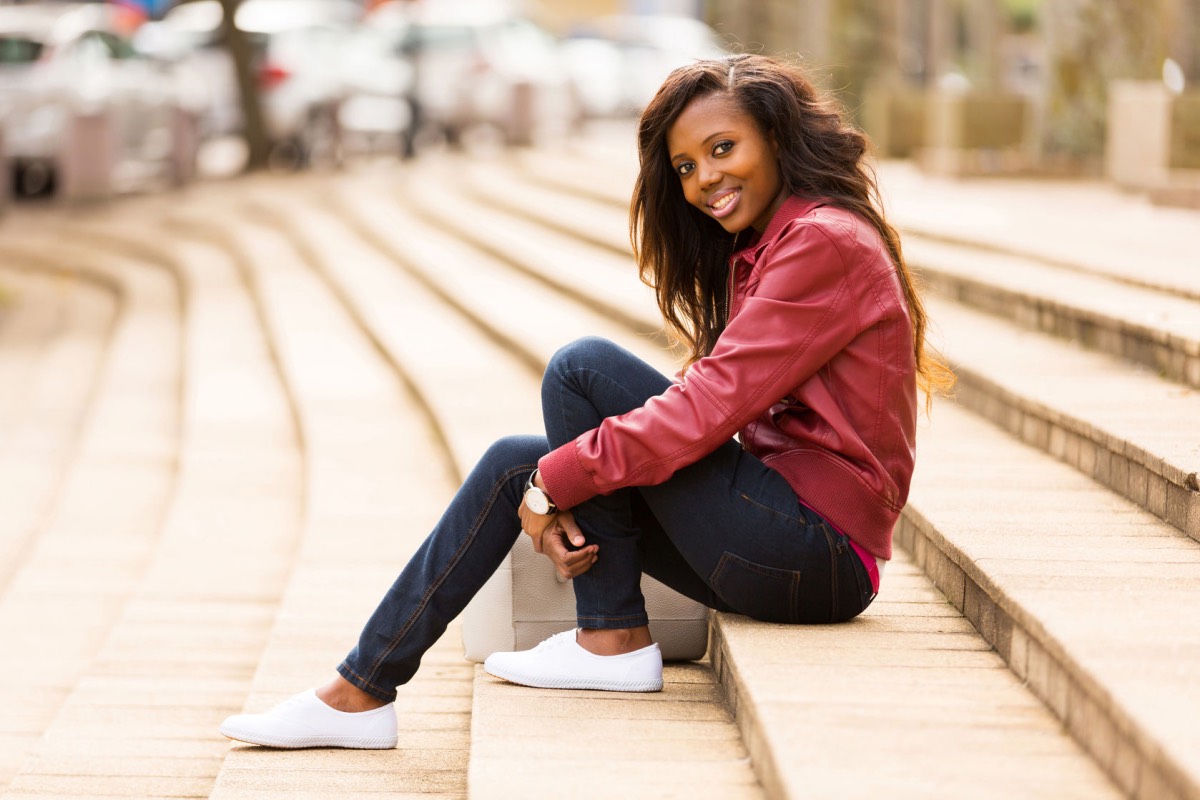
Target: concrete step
column 402, row 307
column 1145, row 326
column 369, row 460
column 690, row 715
column 1156, row 328
column 52, row 343
column 74, row 579
column 1054, row 570
column 528, row 188
column 33, row 312
column 578, row 169
column 1118, row 424
column 591, row 276
column 143, row 720
column 1064, row 400
column 526, row 310
column 1088, row 227
column 1090, row 599
column 792, row 686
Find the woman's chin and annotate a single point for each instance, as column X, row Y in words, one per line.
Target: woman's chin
column 729, row 224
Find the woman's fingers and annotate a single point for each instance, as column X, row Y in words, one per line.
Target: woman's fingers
column 567, row 520
column 569, row 563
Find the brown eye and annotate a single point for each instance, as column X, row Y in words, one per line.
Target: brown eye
column 722, row 147
column 685, row 168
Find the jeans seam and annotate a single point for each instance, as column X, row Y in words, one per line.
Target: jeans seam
column 775, row 511
column 576, row 371
column 346, row 665
column 864, row 596
column 454, row 560
column 833, row 573
column 562, row 387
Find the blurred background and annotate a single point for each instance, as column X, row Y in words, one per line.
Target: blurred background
column 142, row 95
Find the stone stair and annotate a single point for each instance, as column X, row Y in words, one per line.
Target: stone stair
column 372, row 475
column 1087, row 592
column 266, row 379
column 52, row 340
column 749, row 664
column 189, row 632
column 72, row 575
column 696, row 750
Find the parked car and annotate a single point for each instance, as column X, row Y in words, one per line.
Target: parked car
column 376, row 115
column 478, row 64
column 618, row 62
column 62, row 63
column 297, row 46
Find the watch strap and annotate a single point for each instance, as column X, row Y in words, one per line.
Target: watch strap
column 529, row 485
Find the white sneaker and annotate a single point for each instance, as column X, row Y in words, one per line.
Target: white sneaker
column 560, row 663
column 305, row 721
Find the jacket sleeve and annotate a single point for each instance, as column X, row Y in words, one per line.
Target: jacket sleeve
column 796, row 319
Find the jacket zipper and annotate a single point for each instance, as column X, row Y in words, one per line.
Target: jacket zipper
column 729, row 291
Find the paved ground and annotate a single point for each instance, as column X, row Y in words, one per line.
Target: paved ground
column 228, row 415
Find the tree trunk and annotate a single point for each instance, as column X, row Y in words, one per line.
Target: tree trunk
column 253, row 126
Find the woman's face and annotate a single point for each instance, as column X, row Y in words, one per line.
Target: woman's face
column 728, row 169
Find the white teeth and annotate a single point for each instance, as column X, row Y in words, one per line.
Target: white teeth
column 724, row 200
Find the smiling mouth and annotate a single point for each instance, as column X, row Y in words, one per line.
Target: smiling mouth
column 725, row 204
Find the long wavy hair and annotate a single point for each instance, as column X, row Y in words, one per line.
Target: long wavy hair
column 683, row 253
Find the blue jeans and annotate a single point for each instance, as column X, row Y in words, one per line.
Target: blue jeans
column 726, row 531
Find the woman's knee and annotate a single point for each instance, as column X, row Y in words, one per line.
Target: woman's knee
column 513, row 452
column 590, row 352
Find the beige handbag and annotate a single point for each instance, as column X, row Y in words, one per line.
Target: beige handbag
column 525, row 602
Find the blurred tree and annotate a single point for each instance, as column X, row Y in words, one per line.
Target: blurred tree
column 254, row 128
column 1022, row 14
column 1089, row 44
column 863, row 47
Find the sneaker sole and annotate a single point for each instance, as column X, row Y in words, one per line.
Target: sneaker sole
column 298, row 742
column 595, row 684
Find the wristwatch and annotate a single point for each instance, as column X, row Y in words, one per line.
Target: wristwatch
column 536, row 500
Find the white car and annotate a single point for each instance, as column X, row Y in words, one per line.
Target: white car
column 376, row 114
column 480, row 65
column 61, row 64
column 297, row 47
column 620, row 62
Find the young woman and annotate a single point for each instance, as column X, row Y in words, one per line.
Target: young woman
column 756, row 219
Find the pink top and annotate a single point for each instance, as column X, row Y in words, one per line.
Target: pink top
column 873, row 565
column 870, row 562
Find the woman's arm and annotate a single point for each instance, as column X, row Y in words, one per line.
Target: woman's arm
column 801, row 313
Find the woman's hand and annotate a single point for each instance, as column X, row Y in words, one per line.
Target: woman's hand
column 569, row 563
column 535, row 524
column 550, row 535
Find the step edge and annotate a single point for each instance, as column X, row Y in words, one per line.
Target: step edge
column 998, row 618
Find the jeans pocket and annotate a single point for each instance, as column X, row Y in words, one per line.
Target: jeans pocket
column 764, row 593
column 862, row 582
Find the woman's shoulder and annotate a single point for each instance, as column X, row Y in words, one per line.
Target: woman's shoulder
column 808, row 223
column 822, row 227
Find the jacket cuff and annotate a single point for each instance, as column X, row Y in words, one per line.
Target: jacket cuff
column 567, row 482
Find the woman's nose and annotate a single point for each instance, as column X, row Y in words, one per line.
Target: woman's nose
column 709, row 175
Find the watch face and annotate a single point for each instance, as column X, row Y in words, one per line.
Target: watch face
column 537, row 501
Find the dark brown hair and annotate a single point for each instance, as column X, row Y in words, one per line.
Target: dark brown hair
column 683, row 253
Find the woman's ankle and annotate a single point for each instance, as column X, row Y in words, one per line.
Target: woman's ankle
column 341, row 695
column 614, row 641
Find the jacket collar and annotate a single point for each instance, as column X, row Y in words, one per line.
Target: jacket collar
column 793, row 207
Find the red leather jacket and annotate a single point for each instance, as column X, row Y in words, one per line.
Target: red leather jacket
column 815, row 370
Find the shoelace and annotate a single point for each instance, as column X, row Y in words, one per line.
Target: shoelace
column 294, row 700
column 557, row 640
